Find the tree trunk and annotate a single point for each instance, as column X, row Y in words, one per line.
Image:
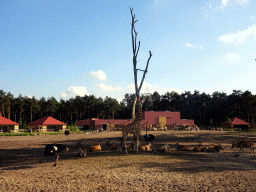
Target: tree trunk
column 3, row 110
column 9, row 111
column 135, row 49
column 31, row 115
column 133, row 107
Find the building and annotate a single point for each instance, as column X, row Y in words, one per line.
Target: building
column 236, row 123
column 6, row 125
column 168, row 119
column 47, row 124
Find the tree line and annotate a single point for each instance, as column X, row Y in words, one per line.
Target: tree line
column 206, row 110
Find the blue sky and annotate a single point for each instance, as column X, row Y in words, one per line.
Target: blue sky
column 68, row 48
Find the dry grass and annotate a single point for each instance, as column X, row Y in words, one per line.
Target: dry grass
column 21, row 167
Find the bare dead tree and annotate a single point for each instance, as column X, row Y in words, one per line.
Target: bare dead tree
column 135, row 49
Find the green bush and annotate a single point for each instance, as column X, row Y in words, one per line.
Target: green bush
column 73, row 128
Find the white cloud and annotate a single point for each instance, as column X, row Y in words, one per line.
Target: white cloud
column 73, row 92
column 224, row 2
column 98, row 75
column 196, row 47
column 119, row 99
column 242, row 2
column 103, row 87
column 240, row 36
column 28, row 96
column 188, row 44
column 232, row 56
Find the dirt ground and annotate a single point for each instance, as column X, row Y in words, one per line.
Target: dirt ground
column 22, row 166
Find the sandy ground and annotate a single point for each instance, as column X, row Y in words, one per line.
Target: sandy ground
column 22, row 166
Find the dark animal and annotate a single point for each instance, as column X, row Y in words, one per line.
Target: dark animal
column 214, row 148
column 81, row 151
column 80, row 143
column 111, row 146
column 236, row 144
column 67, row 133
column 197, row 148
column 54, row 149
column 244, row 144
column 162, row 148
column 203, row 149
column 181, row 147
column 149, row 138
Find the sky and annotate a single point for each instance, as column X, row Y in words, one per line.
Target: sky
column 68, row 48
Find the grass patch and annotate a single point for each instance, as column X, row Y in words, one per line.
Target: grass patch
column 40, row 133
column 17, row 134
column 49, row 133
column 30, row 134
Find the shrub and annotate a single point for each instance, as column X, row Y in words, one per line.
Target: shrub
column 73, row 128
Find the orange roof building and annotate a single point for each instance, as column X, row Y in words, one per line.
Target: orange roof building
column 6, row 125
column 47, row 124
column 237, row 123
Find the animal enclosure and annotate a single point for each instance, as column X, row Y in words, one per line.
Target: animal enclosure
column 22, row 164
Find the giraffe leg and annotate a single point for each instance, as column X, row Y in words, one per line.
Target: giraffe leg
column 137, row 143
column 121, row 144
column 124, row 143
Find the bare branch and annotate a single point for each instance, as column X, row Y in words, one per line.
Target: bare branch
column 135, row 43
column 132, row 29
column 133, row 47
column 138, row 50
column 135, row 55
column 146, row 70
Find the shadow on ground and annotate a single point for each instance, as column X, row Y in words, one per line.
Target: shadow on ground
column 29, row 157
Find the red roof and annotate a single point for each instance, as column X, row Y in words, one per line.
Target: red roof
column 236, row 121
column 47, row 121
column 4, row 121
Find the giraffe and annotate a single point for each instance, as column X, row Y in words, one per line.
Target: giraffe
column 133, row 128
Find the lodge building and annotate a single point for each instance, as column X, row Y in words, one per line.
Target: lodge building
column 169, row 119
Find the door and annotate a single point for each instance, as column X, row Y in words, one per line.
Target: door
column 162, row 121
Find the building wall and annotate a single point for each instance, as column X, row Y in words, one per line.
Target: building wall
column 38, row 128
column 13, row 128
column 150, row 117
